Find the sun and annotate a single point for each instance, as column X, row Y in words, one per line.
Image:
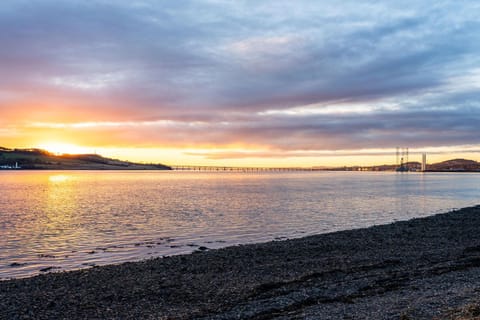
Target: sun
column 60, row 148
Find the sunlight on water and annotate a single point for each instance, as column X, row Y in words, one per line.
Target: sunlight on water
column 58, row 178
column 64, row 220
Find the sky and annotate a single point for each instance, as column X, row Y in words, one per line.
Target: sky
column 242, row 83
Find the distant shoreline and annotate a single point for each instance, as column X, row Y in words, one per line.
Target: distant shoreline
column 36, row 159
column 148, row 168
column 86, row 169
column 42, row 159
column 419, row 269
column 426, row 171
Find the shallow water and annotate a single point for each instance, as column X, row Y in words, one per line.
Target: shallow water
column 64, row 220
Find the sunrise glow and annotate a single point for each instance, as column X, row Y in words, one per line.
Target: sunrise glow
column 317, row 93
column 59, row 148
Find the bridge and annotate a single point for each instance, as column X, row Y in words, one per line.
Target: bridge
column 238, row 169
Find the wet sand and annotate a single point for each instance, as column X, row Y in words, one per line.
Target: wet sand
column 419, row 269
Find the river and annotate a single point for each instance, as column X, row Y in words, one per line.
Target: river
column 65, row 220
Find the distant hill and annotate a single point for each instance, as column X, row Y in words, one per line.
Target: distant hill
column 41, row 159
column 455, row 165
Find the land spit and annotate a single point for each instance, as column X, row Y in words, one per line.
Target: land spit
column 426, row 268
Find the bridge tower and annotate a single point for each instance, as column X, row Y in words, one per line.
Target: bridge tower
column 424, row 162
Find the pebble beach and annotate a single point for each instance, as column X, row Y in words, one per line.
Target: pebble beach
column 426, row 268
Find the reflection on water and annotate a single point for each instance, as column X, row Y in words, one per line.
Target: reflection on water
column 58, row 178
column 63, row 220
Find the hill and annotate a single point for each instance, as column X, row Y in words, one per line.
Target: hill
column 455, row 165
column 41, row 159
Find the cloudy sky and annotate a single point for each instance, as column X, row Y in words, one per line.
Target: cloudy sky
column 242, row 82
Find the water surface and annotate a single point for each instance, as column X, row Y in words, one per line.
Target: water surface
column 64, row 220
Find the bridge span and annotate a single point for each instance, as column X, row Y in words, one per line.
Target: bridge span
column 238, row 169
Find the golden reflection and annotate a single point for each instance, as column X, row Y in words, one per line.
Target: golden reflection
column 59, row 210
column 58, row 178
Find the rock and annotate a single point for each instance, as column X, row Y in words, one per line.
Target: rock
column 16, row 264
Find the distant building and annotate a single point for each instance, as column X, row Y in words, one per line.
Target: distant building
column 10, row 167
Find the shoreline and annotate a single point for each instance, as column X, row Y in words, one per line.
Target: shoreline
column 417, row 269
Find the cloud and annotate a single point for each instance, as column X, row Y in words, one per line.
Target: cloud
column 229, row 155
column 281, row 75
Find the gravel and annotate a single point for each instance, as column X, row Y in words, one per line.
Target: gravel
column 426, row 268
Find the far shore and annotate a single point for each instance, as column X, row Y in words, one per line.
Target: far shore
column 426, row 268
column 87, row 168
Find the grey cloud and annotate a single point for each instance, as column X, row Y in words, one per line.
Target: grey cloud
column 177, row 61
column 222, row 155
column 385, row 129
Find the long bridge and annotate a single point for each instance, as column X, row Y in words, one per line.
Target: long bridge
column 238, row 169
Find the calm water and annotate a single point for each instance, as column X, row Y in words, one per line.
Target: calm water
column 75, row 219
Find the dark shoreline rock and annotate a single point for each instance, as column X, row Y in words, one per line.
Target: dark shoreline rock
column 417, row 269
column 17, row 264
